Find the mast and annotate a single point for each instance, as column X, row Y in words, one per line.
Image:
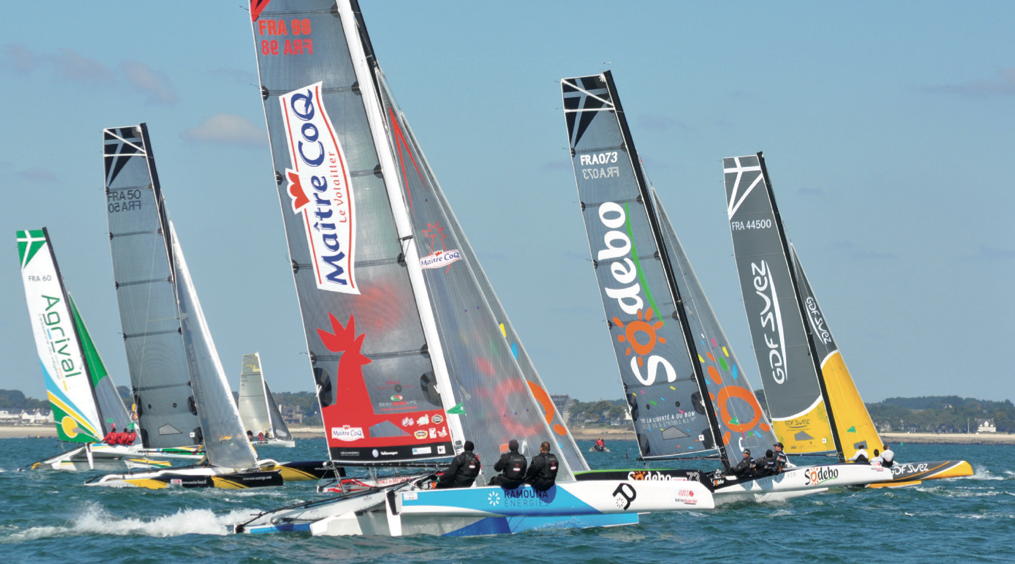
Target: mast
column 365, row 69
column 680, row 313
column 800, row 305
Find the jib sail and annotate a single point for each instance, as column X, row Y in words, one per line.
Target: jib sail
column 742, row 422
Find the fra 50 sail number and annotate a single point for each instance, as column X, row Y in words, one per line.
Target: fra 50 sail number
column 291, row 46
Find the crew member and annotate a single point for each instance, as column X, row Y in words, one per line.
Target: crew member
column 260, row 437
column 131, row 436
column 542, row 472
column 511, row 467
column 744, row 468
column 877, row 460
column 765, row 466
column 860, row 456
column 250, row 435
column 112, row 436
column 887, row 457
column 781, row 460
column 600, row 445
column 463, row 470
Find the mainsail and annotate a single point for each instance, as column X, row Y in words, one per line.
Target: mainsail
column 789, row 362
column 377, row 370
column 663, row 385
column 395, row 320
column 252, row 402
column 740, row 417
column 176, row 373
column 144, row 274
column 69, row 385
column 258, row 409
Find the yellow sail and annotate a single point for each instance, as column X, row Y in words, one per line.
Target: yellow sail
column 853, row 423
column 806, row 433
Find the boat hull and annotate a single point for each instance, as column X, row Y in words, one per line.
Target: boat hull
column 104, row 458
column 791, row 483
column 306, row 470
column 913, row 473
column 274, row 443
column 398, row 511
column 195, row 477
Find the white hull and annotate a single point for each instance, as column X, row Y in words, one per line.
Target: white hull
column 104, row 458
column 274, row 443
column 801, row 481
column 401, row 511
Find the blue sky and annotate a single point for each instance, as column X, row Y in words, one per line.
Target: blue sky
column 886, row 130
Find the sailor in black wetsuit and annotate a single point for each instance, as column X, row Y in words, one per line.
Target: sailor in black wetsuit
column 463, row 470
column 781, row 460
column 744, row 468
column 511, row 467
column 765, row 466
column 542, row 472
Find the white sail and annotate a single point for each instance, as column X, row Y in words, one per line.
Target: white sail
column 225, row 441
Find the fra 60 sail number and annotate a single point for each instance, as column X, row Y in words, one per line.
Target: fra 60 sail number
column 291, row 46
column 596, row 173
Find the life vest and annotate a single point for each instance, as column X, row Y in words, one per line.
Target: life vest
column 469, row 469
column 515, row 469
column 548, row 472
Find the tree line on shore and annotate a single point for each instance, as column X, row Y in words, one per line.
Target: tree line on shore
column 929, row 414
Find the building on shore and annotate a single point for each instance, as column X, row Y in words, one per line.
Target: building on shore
column 985, row 426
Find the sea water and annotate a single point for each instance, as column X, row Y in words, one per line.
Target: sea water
column 49, row 516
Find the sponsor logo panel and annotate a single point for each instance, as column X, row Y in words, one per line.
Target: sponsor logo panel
column 319, row 188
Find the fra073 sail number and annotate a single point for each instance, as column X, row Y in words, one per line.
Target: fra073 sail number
column 596, row 173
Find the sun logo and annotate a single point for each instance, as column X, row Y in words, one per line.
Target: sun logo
column 494, row 498
column 642, row 325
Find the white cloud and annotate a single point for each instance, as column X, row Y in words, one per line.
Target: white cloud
column 228, row 129
column 78, row 68
column 1003, row 85
column 147, row 81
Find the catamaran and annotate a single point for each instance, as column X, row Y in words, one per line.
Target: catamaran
column 180, row 388
column 85, row 404
column 811, row 396
column 409, row 354
column 687, row 394
column 258, row 410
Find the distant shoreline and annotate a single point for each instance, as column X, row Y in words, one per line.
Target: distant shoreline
column 591, row 434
